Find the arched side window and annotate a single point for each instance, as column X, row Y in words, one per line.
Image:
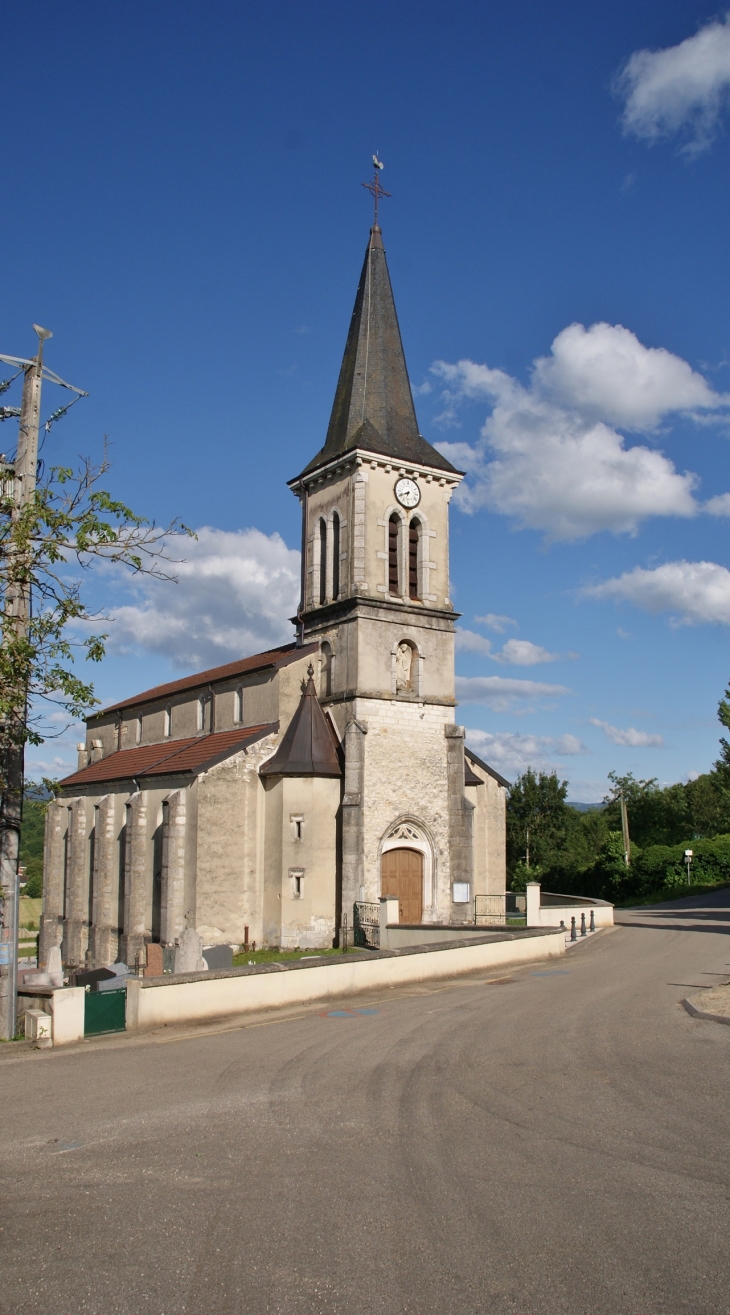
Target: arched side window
column 393, row 572
column 322, row 562
column 335, row 556
column 414, row 533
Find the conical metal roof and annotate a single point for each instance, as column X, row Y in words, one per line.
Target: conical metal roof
column 373, row 406
column 308, row 747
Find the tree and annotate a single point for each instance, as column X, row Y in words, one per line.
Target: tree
column 537, row 820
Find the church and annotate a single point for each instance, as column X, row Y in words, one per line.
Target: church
column 265, row 799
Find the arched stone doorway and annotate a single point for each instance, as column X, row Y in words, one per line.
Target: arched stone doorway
column 401, row 877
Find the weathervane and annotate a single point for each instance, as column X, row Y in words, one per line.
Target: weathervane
column 375, row 188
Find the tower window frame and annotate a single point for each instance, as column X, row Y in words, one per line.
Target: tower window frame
column 415, row 530
column 335, row 555
column 322, row 561
column 394, row 537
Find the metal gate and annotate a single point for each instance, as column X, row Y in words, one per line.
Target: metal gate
column 500, row 910
column 366, row 926
column 104, row 1011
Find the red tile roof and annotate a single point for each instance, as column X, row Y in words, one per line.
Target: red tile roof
column 171, row 757
column 273, row 657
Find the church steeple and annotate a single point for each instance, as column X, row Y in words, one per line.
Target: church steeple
column 373, row 406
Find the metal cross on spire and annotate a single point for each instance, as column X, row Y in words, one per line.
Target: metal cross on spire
column 375, row 188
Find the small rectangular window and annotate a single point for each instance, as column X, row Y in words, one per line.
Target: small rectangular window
column 238, row 705
column 297, row 826
column 138, row 730
column 167, row 722
column 296, row 876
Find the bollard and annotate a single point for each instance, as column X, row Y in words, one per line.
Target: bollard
column 583, row 931
column 593, row 921
column 573, row 936
column 562, row 924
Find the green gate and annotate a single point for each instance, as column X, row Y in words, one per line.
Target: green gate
column 104, row 1011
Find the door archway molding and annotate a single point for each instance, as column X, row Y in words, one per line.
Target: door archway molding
column 408, row 832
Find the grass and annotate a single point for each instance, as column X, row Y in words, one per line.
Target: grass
column 29, row 912
column 668, row 893
column 247, row 957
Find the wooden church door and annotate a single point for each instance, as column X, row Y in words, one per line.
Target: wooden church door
column 401, row 876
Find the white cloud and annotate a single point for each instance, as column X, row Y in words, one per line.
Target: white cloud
column 694, row 592
column 501, row 692
column 570, row 744
column 511, row 753
column 550, row 454
column 630, row 736
column 605, row 373
column 469, row 642
column 493, row 621
column 522, row 653
column 681, row 89
column 234, row 594
column 516, row 652
column 719, row 506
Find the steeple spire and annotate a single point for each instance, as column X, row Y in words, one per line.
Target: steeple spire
column 373, row 406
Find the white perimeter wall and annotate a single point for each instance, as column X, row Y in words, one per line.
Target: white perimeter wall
column 219, row 997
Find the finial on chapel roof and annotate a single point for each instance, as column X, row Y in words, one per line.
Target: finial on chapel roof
column 310, row 671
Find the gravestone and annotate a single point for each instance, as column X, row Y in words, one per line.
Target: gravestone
column 218, row 957
column 155, row 960
column 92, row 976
column 189, row 953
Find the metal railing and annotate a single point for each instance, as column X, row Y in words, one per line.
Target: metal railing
column 500, row 910
column 366, row 925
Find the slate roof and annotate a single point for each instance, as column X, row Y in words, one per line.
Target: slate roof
column 173, row 756
column 273, row 657
column 309, row 746
column 373, row 406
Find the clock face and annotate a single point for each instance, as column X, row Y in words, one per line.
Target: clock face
column 408, row 493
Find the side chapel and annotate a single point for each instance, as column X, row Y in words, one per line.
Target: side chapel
column 261, row 799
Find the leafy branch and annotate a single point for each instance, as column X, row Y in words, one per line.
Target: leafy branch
column 68, row 521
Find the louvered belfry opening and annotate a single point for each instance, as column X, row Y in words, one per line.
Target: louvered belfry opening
column 335, row 556
column 393, row 527
column 322, row 562
column 413, row 532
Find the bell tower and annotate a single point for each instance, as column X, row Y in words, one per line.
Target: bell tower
column 375, row 596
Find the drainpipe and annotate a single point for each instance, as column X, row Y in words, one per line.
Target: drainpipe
column 212, row 709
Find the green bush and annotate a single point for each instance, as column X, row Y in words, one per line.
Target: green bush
column 661, row 866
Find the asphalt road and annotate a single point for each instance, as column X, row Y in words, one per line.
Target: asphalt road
column 558, row 1142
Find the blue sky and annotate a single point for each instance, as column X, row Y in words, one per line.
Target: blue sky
column 182, row 207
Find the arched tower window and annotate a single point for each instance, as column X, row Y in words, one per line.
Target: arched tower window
column 335, row 556
column 393, row 528
column 414, row 530
column 322, row 562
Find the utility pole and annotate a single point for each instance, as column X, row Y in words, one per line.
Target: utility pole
column 625, row 829
column 17, row 606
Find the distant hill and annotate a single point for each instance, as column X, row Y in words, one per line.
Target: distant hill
column 584, row 808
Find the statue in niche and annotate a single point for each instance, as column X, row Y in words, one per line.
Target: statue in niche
column 403, row 664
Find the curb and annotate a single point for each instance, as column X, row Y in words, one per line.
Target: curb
column 702, row 1013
